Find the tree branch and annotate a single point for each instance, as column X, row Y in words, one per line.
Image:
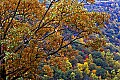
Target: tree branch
column 64, row 46
column 43, row 17
column 8, row 26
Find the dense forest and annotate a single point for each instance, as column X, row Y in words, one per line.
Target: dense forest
column 59, row 40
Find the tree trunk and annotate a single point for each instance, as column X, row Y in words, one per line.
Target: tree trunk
column 2, row 61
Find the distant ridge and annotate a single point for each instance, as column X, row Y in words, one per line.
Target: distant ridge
column 106, row 0
column 101, row 1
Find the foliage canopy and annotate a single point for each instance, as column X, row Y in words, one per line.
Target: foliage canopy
column 31, row 35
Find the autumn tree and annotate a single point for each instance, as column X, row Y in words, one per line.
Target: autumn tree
column 32, row 35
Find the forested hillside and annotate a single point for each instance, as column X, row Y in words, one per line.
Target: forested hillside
column 59, row 40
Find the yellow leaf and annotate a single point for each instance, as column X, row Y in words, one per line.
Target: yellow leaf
column 82, row 40
column 94, row 71
column 69, row 46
